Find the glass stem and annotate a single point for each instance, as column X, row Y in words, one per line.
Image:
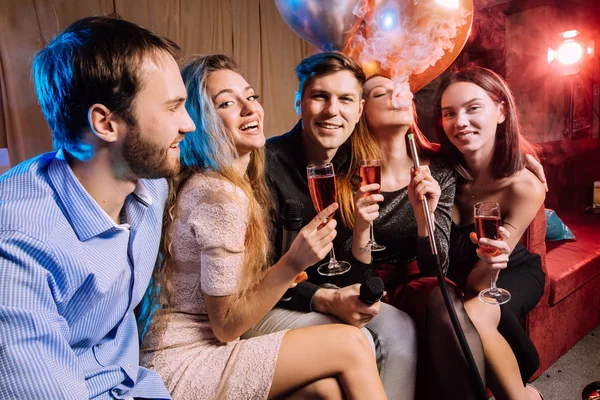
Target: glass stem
column 332, row 260
column 372, row 239
column 494, row 278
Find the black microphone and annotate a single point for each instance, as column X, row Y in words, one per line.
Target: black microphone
column 371, row 290
column 291, row 221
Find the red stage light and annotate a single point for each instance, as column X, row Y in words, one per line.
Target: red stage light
column 570, row 53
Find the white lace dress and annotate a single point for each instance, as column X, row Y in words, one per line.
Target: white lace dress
column 208, row 249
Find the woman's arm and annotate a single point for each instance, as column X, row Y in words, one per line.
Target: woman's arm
column 366, row 210
column 520, row 203
column 232, row 315
column 442, row 224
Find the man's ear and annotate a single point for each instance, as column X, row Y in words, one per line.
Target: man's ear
column 298, row 103
column 361, row 108
column 501, row 113
column 102, row 123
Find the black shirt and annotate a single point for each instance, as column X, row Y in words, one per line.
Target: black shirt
column 286, row 176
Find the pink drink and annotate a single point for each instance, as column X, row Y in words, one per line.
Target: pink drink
column 487, row 227
column 370, row 174
column 322, row 191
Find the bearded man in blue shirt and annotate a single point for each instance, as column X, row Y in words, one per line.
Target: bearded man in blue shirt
column 80, row 226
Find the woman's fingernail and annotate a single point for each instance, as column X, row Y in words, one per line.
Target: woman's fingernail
column 483, row 241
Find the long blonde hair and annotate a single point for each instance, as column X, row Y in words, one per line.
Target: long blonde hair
column 211, row 148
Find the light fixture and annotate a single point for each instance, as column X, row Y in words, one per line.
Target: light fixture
column 570, row 52
column 567, row 57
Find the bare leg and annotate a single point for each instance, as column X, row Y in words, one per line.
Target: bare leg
column 324, row 389
column 311, row 354
column 504, row 377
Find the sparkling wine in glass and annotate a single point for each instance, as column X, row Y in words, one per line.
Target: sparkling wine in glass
column 321, row 183
column 487, row 222
column 370, row 172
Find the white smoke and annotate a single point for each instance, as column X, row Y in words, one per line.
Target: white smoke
column 405, row 38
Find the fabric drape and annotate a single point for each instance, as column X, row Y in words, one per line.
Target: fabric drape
column 251, row 31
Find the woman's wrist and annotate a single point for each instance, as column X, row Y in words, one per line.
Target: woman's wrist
column 422, row 230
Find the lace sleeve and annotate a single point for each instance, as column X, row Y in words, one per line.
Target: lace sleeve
column 219, row 223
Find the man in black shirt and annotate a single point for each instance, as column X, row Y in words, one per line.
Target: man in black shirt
column 329, row 101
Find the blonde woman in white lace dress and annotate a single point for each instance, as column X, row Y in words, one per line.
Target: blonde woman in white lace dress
column 212, row 285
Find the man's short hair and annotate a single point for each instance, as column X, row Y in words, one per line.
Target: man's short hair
column 323, row 64
column 95, row 60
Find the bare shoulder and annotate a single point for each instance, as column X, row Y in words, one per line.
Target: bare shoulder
column 525, row 186
column 523, row 197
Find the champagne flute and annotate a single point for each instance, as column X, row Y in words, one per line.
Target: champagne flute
column 487, row 222
column 370, row 172
column 321, row 183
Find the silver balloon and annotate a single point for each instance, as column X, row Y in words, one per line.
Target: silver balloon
column 324, row 23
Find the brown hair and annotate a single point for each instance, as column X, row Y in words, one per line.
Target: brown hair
column 510, row 146
column 211, row 148
column 95, row 60
column 323, row 64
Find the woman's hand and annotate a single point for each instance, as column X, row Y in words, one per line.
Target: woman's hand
column 313, row 241
column 423, row 186
column 366, row 209
column 495, row 253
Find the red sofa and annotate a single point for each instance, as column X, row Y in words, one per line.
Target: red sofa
column 570, row 306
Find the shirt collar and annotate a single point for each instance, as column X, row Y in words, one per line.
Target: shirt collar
column 85, row 215
column 142, row 194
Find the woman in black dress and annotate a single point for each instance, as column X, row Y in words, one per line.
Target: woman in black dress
column 479, row 133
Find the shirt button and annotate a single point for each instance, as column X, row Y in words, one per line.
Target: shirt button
column 128, row 366
column 99, row 345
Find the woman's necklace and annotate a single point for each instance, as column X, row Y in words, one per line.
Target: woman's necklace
column 475, row 194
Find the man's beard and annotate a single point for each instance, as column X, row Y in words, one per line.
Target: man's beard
column 146, row 160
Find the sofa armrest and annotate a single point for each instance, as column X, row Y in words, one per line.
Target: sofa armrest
column 534, row 238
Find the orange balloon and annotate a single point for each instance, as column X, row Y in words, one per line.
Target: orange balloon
column 422, row 79
column 361, row 29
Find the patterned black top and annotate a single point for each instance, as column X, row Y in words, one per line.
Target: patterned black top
column 396, row 226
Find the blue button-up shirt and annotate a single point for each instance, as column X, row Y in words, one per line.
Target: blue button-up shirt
column 69, row 281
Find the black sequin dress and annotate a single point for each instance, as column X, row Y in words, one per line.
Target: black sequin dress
column 407, row 256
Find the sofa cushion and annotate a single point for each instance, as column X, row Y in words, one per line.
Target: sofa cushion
column 556, row 229
column 571, row 264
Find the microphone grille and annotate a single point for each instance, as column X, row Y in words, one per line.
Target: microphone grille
column 372, row 289
column 293, row 208
column 292, row 213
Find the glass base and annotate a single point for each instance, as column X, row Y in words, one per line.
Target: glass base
column 372, row 246
column 499, row 296
column 333, row 268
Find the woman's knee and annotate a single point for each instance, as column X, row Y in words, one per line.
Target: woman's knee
column 323, row 389
column 484, row 316
column 437, row 313
column 354, row 343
